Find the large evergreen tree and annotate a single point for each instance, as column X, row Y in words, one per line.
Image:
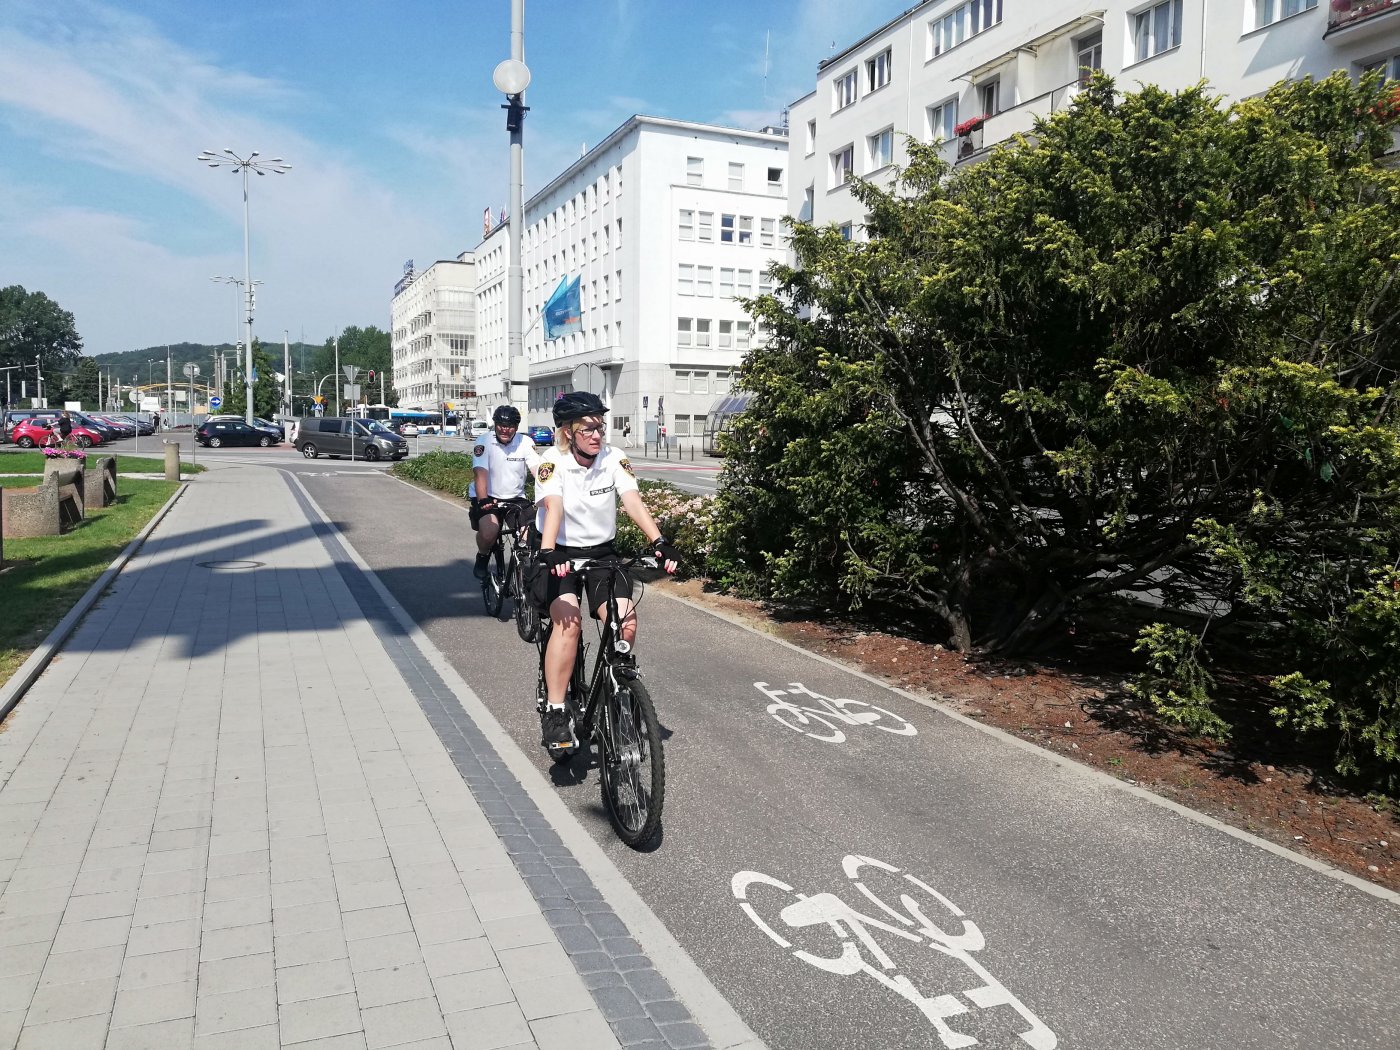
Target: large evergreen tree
column 1151, row 349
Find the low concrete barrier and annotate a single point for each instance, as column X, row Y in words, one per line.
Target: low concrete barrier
column 46, row 509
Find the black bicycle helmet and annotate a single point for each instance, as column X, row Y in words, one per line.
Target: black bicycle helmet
column 506, row 416
column 575, row 405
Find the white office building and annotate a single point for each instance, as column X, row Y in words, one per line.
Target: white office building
column 666, row 224
column 942, row 64
column 433, row 326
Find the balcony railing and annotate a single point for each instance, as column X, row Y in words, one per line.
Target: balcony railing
column 1018, row 120
column 1345, row 13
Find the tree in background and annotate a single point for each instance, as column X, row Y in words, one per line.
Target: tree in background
column 1153, row 351
column 83, row 386
column 267, row 392
column 34, row 326
column 367, row 348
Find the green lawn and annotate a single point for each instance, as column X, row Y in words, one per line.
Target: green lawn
column 33, row 463
column 50, row 573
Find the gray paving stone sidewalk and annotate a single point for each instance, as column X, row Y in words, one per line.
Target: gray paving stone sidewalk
column 225, row 821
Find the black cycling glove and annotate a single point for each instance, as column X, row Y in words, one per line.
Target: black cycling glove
column 483, row 503
column 549, row 557
column 663, row 550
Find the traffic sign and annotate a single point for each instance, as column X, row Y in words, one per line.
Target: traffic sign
column 351, row 371
column 191, row 369
column 216, row 401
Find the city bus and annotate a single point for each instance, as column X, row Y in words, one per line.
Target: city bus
column 719, row 419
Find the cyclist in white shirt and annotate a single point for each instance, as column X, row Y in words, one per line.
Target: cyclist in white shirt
column 500, row 464
column 577, row 487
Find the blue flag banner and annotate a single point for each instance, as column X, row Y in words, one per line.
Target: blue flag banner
column 563, row 310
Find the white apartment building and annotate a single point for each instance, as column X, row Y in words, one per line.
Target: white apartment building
column 433, row 326
column 665, row 223
column 943, row 62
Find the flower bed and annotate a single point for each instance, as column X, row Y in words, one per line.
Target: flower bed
column 64, row 453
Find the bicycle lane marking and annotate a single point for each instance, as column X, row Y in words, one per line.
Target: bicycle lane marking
column 827, row 711
column 859, row 935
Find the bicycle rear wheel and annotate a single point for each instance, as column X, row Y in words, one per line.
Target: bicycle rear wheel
column 633, row 768
column 493, row 588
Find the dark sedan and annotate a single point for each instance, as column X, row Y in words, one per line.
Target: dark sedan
column 216, row 433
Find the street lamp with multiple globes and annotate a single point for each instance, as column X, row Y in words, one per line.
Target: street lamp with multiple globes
column 511, row 78
column 234, row 162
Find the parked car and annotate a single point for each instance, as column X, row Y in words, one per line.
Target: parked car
column 266, row 425
column 480, row 426
column 31, row 433
column 344, row 436
column 216, row 433
column 541, row 435
column 408, row 430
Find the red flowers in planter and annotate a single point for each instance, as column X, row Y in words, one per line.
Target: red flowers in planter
column 971, row 124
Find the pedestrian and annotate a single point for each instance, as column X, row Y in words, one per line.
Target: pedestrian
column 65, row 429
column 627, row 434
column 155, row 420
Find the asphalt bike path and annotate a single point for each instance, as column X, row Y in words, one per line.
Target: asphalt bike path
column 852, row 868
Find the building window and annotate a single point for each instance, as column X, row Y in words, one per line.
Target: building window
column 847, row 231
column 775, row 182
column 741, row 335
column 1088, row 56
column 617, row 284
column 989, row 95
column 685, row 279
column 765, row 283
column 725, row 339
column 694, row 171
column 726, row 228
column 843, row 91
column 746, row 282
column 881, row 148
column 707, row 227
column 877, row 71
column 961, row 23
column 942, row 119
column 842, row 164
column 705, row 280
column 682, row 382
column 745, row 229
column 1156, row 29
column 617, row 241
column 736, row 176
column 685, row 326
column 767, row 233
column 702, row 337
column 686, row 228
column 1267, row 12
column 809, row 198
column 682, row 426
column 1389, row 67
column 726, row 282
column 700, row 382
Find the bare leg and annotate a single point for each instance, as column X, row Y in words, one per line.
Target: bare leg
column 563, row 646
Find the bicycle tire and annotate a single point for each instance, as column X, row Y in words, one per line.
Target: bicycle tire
column 527, row 617
column 633, row 766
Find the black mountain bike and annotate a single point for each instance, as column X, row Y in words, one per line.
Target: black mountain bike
column 612, row 708
column 505, row 576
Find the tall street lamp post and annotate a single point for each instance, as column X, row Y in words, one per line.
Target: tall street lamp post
column 234, row 162
column 511, row 78
column 237, row 325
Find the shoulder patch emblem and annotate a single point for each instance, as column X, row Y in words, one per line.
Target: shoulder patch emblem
column 545, row 472
column 626, row 465
column 479, row 450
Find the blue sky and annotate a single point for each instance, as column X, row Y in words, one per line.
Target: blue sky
column 385, row 110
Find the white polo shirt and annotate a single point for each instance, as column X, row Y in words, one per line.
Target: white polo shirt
column 505, row 465
column 590, row 494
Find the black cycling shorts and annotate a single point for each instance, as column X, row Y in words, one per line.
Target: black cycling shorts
column 545, row 587
column 475, row 513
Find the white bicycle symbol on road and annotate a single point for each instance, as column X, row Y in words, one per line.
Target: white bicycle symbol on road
column 828, row 712
column 857, row 939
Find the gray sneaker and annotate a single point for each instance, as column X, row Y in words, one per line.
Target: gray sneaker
column 483, row 561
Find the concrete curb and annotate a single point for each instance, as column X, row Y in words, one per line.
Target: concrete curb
column 711, row 1011
column 1354, row 881
column 13, row 691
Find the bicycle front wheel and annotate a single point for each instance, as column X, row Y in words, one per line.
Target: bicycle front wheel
column 527, row 617
column 633, row 765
